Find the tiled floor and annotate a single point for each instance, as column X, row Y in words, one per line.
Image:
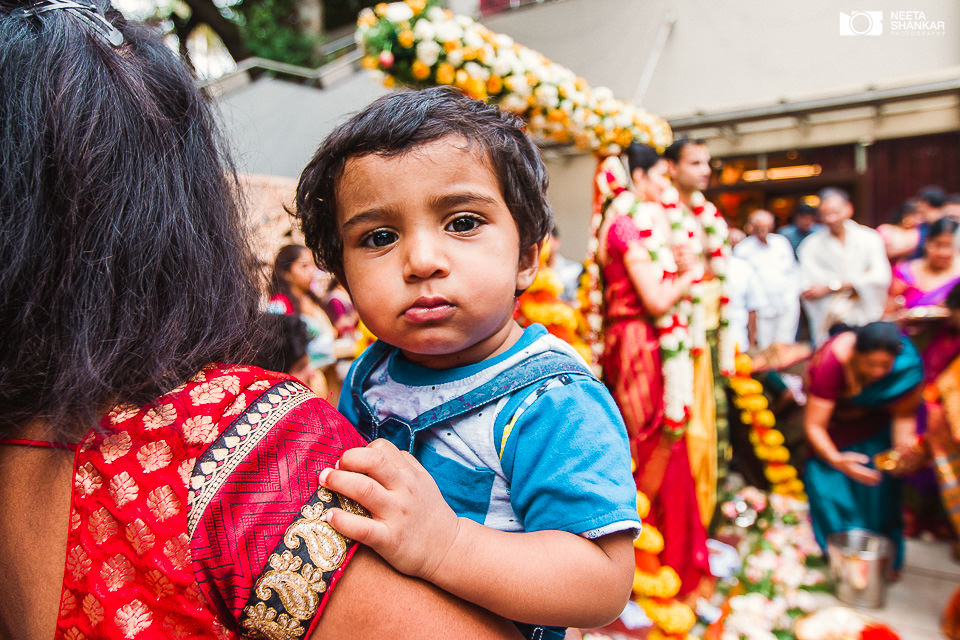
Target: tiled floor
column 915, row 603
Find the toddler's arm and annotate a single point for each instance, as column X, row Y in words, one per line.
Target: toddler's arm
column 543, row 577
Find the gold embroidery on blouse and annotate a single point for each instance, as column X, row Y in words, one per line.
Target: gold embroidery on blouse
column 263, row 622
column 289, row 593
column 298, row 585
column 324, row 544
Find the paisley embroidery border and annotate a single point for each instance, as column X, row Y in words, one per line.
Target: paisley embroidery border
column 292, row 587
column 236, row 442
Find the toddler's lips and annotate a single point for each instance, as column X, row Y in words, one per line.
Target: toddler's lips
column 429, row 310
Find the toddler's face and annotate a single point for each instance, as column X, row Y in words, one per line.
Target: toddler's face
column 431, row 253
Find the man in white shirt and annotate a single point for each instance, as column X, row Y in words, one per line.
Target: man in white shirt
column 845, row 271
column 771, row 256
column 746, row 296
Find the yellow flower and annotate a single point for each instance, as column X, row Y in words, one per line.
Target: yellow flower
column 746, row 417
column 743, row 364
column 469, row 53
column 445, row 73
column 367, row 18
column 369, row 62
column 777, row 473
column 664, row 584
column 416, row 5
column 461, row 78
column 773, row 438
column 765, row 418
column 451, row 45
column 405, row 38
column 643, row 502
column 494, row 85
column 419, row 70
column 744, row 386
column 649, row 540
column 673, row 617
column 751, row 403
column 381, row 9
column 389, row 81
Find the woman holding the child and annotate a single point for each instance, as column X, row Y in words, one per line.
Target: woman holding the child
column 637, row 290
column 151, row 484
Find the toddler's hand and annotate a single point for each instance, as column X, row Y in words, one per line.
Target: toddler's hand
column 410, row 524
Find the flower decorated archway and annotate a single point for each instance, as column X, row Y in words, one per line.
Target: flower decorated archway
column 418, row 44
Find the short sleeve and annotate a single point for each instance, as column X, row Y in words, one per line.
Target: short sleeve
column 261, row 552
column 568, row 461
column 825, row 377
column 621, row 234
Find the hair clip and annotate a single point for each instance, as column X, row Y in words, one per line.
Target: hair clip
column 85, row 10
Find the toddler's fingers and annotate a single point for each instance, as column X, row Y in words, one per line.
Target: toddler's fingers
column 358, row 487
column 380, row 460
column 364, row 530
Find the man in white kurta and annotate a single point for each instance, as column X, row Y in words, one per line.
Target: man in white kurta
column 771, row 255
column 844, row 269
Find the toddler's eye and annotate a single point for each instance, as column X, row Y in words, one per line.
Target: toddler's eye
column 463, row 224
column 380, row 238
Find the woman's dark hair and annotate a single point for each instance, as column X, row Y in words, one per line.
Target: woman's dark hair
column 399, row 122
column 286, row 256
column 878, row 336
column 123, row 268
column 284, row 342
column 641, row 156
column 943, row 226
column 952, row 301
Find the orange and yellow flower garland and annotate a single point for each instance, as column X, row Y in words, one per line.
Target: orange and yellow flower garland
column 420, row 44
column 766, row 439
column 655, row 586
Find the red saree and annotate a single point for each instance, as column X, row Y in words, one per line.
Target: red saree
column 198, row 516
column 632, row 371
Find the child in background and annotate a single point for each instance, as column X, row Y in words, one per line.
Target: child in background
column 284, row 346
column 430, row 208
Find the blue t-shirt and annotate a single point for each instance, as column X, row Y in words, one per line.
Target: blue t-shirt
column 551, row 454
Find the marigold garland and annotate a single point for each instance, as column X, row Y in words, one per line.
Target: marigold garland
column 541, row 303
column 767, row 440
column 655, row 586
column 420, row 44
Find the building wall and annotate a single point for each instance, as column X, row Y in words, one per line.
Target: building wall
column 729, row 54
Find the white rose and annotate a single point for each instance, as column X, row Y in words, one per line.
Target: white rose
column 476, row 71
column 669, row 342
column 472, row 38
column 455, row 57
column 398, row 12
column 503, row 41
column 448, row 31
column 514, row 103
column 436, row 14
column 424, row 30
column 428, row 52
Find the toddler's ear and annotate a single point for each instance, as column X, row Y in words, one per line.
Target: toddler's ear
column 527, row 268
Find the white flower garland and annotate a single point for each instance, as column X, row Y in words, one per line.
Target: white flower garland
column 703, row 231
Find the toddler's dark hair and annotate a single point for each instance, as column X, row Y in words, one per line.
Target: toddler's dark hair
column 402, row 121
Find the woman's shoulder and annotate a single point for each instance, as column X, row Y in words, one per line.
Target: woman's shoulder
column 207, row 484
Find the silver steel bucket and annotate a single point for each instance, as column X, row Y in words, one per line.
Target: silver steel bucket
column 860, row 564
